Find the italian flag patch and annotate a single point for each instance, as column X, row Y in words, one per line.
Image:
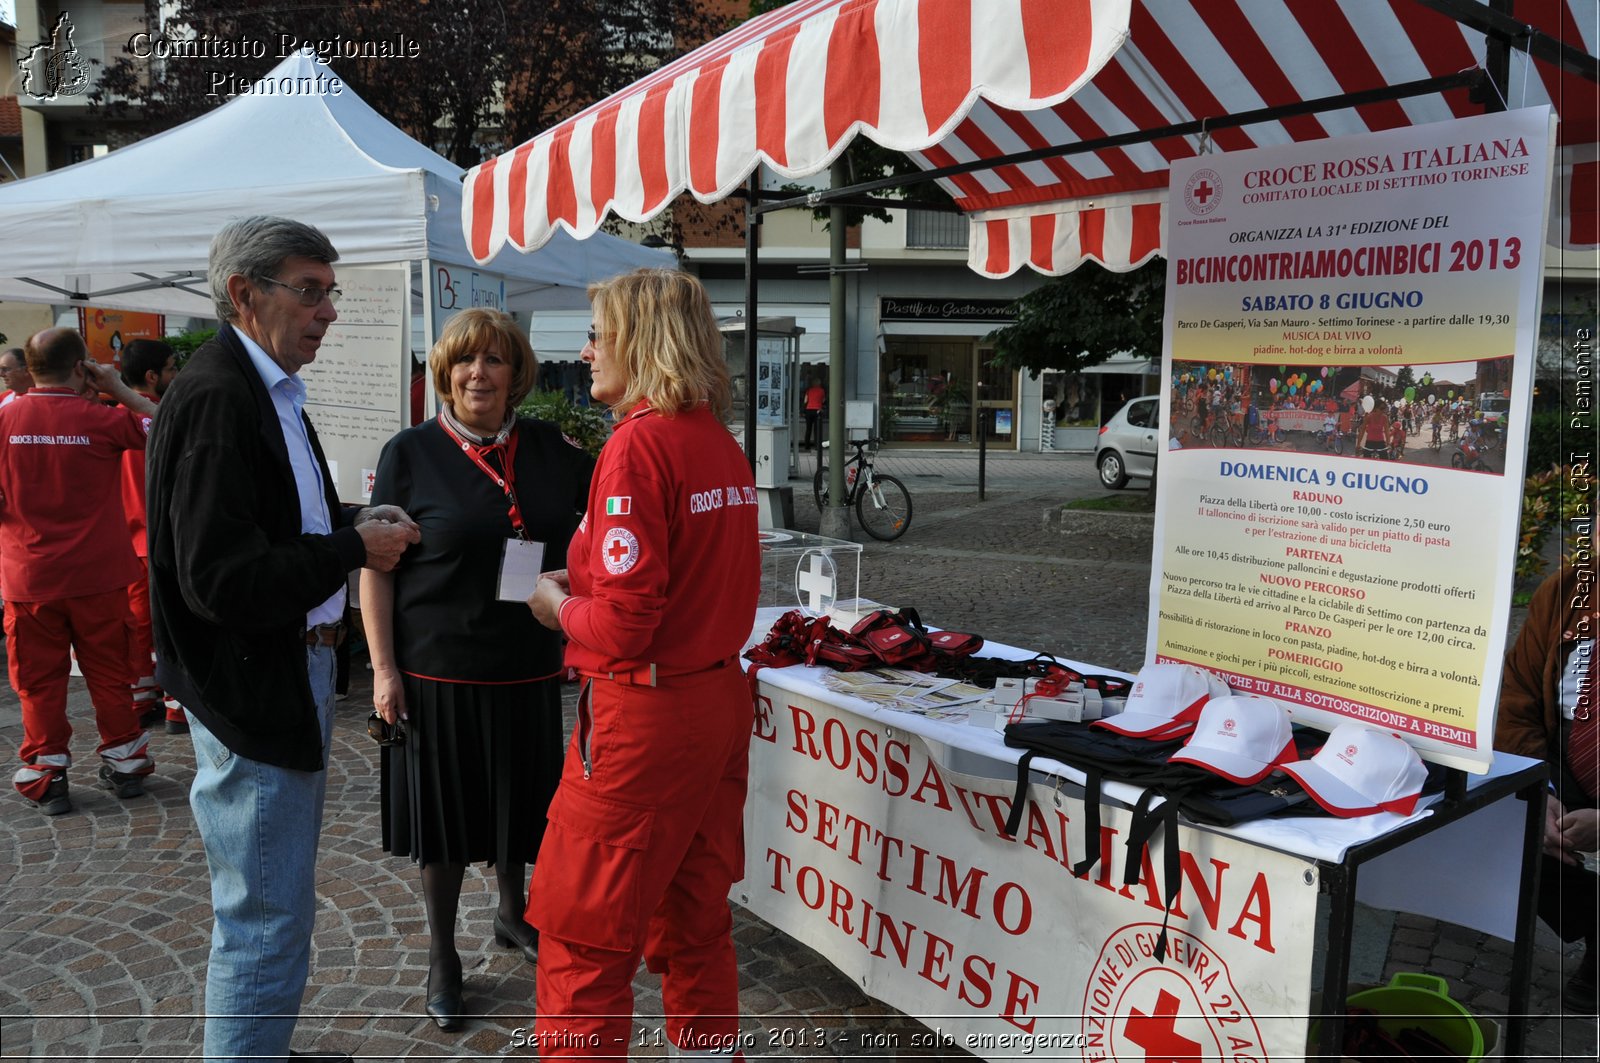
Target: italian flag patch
column 619, row 505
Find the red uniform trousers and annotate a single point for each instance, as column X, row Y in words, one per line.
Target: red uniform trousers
column 639, row 856
column 38, row 638
column 141, row 647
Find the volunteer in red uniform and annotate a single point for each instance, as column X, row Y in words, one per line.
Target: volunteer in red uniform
column 148, row 367
column 65, row 563
column 645, row 833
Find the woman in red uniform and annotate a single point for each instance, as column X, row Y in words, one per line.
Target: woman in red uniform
column 645, row 833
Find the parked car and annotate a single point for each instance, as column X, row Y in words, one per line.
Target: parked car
column 1129, row 443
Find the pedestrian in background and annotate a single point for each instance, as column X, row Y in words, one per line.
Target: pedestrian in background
column 148, row 367
column 645, row 833
column 471, row 677
column 14, row 372
column 816, row 399
column 249, row 555
column 65, row 566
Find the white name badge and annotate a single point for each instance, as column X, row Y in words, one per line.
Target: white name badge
column 519, row 569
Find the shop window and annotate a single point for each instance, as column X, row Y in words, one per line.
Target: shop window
column 926, row 391
column 1077, row 399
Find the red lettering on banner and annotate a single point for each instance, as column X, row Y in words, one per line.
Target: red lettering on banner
column 950, row 890
column 1208, row 897
column 972, row 979
column 827, row 821
column 867, row 756
column 886, row 937
column 1024, row 917
column 780, row 864
column 764, row 726
column 1257, row 910
column 839, row 907
column 899, row 769
column 835, row 737
column 805, row 726
column 930, row 777
column 1017, row 1001
column 816, row 888
column 935, row 951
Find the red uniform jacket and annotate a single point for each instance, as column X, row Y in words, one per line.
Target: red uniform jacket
column 665, row 568
column 62, row 529
column 133, row 497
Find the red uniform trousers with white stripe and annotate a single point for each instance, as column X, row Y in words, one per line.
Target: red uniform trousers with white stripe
column 638, row 860
column 38, row 638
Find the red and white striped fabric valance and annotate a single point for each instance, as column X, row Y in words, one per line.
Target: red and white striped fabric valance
column 955, row 81
column 790, row 89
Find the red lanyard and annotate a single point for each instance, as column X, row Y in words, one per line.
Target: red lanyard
column 507, row 482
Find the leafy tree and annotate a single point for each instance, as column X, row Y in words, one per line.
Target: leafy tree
column 1084, row 317
column 487, row 74
column 1405, row 378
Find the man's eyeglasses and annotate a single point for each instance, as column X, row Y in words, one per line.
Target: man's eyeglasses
column 311, row 295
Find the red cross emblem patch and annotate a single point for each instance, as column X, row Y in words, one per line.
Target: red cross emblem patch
column 620, row 550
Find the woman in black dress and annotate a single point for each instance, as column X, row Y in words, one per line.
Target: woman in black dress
column 475, row 679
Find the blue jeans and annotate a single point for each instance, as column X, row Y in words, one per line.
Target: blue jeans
column 260, row 826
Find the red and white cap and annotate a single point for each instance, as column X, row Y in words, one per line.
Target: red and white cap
column 1240, row 737
column 1361, row 771
column 1165, row 701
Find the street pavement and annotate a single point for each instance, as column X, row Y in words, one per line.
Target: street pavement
column 104, row 913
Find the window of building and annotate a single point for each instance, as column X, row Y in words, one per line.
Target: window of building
column 933, row 229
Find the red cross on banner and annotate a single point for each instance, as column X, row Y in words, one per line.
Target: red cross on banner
column 1157, row 1034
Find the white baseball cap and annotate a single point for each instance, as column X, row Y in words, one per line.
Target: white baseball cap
column 1361, row 771
column 1165, row 701
column 1240, row 737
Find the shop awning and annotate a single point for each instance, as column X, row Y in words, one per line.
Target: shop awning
column 953, row 82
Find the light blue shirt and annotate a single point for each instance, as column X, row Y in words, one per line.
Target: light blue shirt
column 288, row 393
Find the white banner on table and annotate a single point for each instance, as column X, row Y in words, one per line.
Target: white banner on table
column 1388, row 285
column 898, row 870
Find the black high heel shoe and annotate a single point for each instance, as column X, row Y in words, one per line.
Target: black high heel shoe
column 444, row 1007
column 521, row 936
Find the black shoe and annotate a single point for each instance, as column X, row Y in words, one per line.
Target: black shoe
column 1578, row 995
column 521, row 936
column 152, row 716
column 121, row 783
column 56, row 799
column 444, row 1007
column 177, row 727
column 324, row 1057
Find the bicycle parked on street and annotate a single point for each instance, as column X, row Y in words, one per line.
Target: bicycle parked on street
column 883, row 505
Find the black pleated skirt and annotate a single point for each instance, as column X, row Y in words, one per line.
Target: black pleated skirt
column 474, row 779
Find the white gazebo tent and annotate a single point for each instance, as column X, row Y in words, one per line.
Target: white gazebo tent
column 130, row 230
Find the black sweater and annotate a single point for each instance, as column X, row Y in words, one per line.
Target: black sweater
column 231, row 575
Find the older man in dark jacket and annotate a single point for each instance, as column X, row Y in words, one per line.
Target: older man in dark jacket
column 249, row 554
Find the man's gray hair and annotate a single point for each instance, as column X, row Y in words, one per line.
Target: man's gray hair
column 256, row 248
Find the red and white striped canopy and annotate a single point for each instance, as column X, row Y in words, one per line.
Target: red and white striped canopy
column 951, row 81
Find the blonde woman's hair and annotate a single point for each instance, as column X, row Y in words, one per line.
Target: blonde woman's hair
column 658, row 326
column 483, row 329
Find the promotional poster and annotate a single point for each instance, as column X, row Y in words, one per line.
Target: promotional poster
column 1349, row 344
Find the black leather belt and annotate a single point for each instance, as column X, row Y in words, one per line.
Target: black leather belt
column 326, row 634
